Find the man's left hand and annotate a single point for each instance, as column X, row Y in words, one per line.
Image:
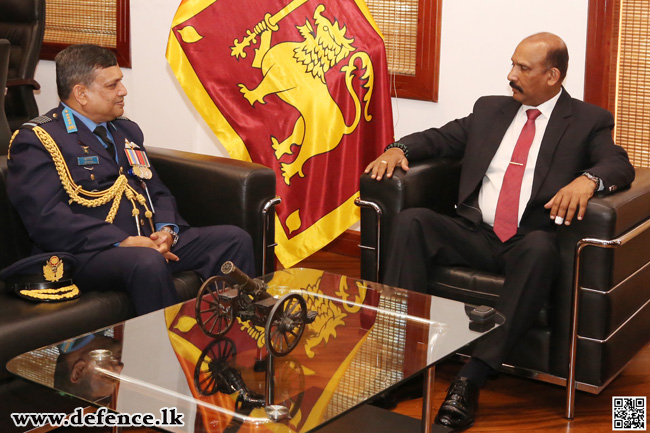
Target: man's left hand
column 572, row 197
column 164, row 241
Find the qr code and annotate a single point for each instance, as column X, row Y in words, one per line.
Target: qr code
column 629, row 413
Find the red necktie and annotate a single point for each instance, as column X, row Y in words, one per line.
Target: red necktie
column 507, row 214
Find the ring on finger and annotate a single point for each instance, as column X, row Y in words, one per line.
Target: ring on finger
column 383, row 162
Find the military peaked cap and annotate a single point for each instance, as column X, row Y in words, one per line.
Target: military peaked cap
column 44, row 278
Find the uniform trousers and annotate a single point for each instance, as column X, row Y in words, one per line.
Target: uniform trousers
column 422, row 238
column 147, row 276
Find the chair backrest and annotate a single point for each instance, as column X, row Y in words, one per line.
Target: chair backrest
column 5, row 133
column 22, row 22
column 14, row 239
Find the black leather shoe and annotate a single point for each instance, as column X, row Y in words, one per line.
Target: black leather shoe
column 457, row 411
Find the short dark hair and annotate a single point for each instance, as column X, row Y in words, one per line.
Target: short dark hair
column 63, row 381
column 558, row 58
column 77, row 64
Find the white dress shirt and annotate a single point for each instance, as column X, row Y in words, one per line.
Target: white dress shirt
column 491, row 186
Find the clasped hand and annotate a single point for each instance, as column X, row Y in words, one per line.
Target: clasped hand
column 386, row 163
column 572, row 197
column 159, row 241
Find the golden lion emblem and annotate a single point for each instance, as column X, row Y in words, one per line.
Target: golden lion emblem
column 295, row 72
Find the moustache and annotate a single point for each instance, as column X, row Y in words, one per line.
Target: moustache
column 514, row 86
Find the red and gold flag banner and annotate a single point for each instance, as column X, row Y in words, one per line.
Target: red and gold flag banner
column 299, row 86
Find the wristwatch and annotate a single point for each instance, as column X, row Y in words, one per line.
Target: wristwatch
column 592, row 178
column 171, row 232
column 399, row 146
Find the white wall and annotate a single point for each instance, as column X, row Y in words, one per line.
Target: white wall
column 478, row 38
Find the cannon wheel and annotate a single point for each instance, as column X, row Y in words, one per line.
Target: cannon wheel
column 286, row 324
column 217, row 354
column 215, row 316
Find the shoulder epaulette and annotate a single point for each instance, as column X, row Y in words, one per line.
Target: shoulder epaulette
column 36, row 121
column 124, row 118
column 40, row 120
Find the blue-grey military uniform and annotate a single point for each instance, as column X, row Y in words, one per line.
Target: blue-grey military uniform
column 57, row 223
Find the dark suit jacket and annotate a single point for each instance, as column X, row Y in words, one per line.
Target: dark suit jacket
column 36, row 192
column 578, row 138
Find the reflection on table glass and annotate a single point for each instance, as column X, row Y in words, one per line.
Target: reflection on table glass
column 364, row 339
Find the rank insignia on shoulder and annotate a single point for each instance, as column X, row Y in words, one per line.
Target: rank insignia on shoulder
column 40, row 120
column 44, row 278
column 68, row 119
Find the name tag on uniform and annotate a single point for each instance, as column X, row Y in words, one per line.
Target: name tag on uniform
column 88, row 160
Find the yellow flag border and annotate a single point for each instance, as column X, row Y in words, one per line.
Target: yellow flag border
column 327, row 228
column 189, row 81
column 319, row 234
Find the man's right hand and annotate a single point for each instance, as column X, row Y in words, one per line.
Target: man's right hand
column 142, row 241
column 386, row 163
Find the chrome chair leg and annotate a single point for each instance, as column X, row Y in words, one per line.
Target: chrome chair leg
column 266, row 212
column 374, row 206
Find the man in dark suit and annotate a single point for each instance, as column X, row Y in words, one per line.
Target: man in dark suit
column 529, row 163
column 81, row 181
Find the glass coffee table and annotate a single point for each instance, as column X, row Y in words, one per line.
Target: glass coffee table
column 358, row 340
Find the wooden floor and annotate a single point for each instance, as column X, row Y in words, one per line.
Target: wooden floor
column 513, row 404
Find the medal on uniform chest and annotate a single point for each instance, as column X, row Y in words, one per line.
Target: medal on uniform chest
column 137, row 160
column 139, row 163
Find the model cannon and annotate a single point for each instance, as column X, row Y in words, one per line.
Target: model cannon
column 221, row 299
column 216, row 371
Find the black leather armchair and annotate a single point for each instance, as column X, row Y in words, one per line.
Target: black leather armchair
column 608, row 272
column 209, row 190
column 22, row 22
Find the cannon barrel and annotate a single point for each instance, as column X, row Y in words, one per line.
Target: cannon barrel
column 247, row 284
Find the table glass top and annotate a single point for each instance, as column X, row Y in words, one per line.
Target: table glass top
column 349, row 341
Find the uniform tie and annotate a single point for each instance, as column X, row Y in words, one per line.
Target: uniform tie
column 100, row 131
column 507, row 213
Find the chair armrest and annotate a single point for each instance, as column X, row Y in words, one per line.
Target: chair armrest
column 210, row 190
column 609, row 216
column 431, row 183
column 15, row 82
column 613, row 278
